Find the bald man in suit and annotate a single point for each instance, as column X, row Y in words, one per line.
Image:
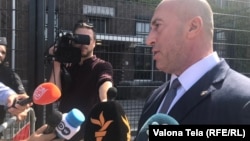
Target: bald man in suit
column 211, row 92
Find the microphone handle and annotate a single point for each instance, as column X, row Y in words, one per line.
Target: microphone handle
column 49, row 130
column 24, row 101
column 21, row 102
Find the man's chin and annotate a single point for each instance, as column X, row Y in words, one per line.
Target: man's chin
column 84, row 55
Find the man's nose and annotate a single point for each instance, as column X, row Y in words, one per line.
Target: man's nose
column 150, row 41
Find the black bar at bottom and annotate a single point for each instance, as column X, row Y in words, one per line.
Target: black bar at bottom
column 201, row 132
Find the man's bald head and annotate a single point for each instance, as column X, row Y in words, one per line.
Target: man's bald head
column 188, row 9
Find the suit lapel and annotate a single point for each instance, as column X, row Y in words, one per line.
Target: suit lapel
column 152, row 104
column 201, row 90
column 155, row 101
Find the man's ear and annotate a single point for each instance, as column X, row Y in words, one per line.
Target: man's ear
column 194, row 27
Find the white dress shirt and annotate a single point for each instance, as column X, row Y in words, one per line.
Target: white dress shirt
column 191, row 75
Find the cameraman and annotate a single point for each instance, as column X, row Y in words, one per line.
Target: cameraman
column 87, row 81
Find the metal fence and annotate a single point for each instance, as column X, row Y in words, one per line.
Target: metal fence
column 13, row 130
column 122, row 26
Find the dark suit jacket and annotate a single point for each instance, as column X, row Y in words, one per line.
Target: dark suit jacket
column 221, row 96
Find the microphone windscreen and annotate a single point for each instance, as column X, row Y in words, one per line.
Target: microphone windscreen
column 112, row 93
column 156, row 119
column 75, row 118
column 70, row 124
column 46, row 93
column 53, row 120
column 106, row 122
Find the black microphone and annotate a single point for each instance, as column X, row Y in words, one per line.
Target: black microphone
column 53, row 120
column 156, row 119
column 107, row 121
column 112, row 93
column 65, row 125
column 22, row 102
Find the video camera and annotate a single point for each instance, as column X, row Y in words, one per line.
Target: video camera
column 66, row 36
column 65, row 52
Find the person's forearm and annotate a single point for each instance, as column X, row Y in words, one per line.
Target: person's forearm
column 39, row 135
column 55, row 76
column 103, row 90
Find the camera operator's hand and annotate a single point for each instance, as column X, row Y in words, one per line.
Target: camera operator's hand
column 52, row 50
column 65, row 53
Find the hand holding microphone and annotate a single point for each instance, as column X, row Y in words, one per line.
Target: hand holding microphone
column 45, row 93
column 39, row 135
column 53, row 120
column 65, row 125
column 111, row 93
column 19, row 111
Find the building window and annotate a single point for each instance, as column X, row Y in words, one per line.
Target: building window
column 143, row 55
column 55, row 26
column 143, row 63
column 220, row 35
column 222, row 3
column 142, row 28
column 99, row 23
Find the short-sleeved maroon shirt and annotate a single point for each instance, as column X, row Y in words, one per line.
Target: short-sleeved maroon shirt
column 83, row 90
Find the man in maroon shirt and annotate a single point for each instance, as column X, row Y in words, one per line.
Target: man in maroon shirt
column 89, row 79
